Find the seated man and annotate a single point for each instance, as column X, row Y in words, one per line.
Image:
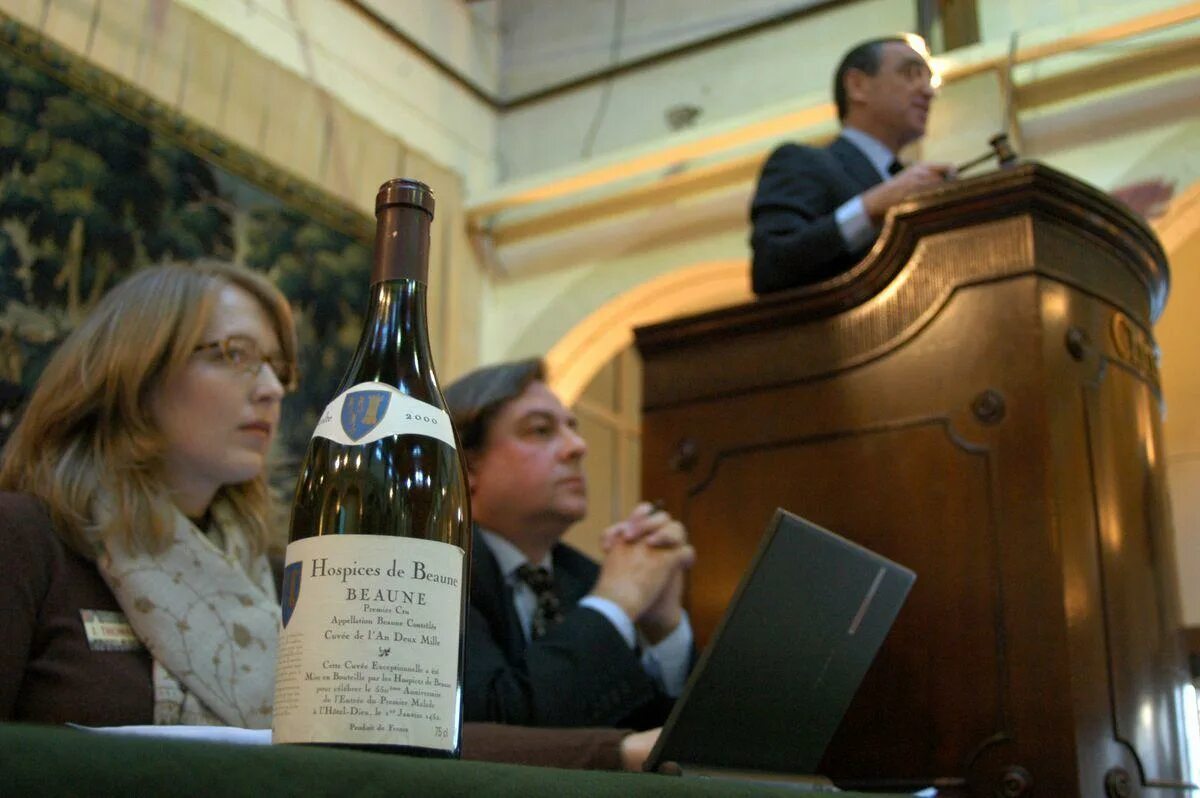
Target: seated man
column 553, row 639
column 816, row 211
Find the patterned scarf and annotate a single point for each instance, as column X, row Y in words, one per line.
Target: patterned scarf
column 207, row 613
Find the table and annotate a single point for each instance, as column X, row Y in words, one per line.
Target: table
column 41, row 760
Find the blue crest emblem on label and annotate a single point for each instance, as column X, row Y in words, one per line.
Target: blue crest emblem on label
column 291, row 589
column 362, row 411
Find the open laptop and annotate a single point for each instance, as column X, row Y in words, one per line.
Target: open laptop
column 795, row 642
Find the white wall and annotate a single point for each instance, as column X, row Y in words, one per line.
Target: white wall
column 333, row 46
column 526, row 315
column 550, row 42
column 790, row 65
column 999, row 18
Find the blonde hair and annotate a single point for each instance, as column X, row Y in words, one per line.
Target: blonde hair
column 88, row 446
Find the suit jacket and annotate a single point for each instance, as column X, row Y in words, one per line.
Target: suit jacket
column 581, row 673
column 795, row 237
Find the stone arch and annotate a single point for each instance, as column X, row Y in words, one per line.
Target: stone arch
column 594, row 341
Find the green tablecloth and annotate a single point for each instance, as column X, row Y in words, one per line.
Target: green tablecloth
column 43, row 761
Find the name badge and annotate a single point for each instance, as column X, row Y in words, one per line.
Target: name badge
column 108, row 631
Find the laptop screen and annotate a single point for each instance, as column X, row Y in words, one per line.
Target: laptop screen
column 783, row 666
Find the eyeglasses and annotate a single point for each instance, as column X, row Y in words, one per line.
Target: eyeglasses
column 243, row 355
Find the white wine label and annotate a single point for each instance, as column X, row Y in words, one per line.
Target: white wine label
column 373, row 410
column 369, row 644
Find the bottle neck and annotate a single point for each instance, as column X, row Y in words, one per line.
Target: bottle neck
column 401, row 245
column 394, row 348
column 396, row 320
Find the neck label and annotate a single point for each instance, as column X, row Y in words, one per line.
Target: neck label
column 370, row 411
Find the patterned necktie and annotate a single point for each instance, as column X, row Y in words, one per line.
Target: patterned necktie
column 895, row 168
column 549, row 610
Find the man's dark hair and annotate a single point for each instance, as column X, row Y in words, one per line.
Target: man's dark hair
column 865, row 57
column 476, row 398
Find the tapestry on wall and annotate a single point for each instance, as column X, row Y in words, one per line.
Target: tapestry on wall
column 97, row 180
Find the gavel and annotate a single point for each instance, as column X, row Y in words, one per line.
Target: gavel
column 1001, row 150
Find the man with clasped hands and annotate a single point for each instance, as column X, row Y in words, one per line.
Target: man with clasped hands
column 817, row 210
column 553, row 638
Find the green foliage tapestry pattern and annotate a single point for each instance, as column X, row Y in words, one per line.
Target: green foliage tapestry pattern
column 88, row 196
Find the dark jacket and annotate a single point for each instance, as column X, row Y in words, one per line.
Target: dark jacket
column 581, row 673
column 795, row 237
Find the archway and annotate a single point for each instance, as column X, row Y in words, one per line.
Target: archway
column 608, row 330
column 1176, row 334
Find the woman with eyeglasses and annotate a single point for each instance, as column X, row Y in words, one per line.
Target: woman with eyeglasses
column 135, row 586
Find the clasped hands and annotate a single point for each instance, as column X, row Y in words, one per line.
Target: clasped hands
column 642, row 572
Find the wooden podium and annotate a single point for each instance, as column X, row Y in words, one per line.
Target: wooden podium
column 978, row 400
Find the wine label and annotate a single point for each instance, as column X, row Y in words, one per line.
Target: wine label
column 369, row 644
column 373, row 410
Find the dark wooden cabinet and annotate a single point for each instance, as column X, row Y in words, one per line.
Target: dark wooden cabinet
column 978, row 400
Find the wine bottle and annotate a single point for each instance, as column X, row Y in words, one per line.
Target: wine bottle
column 375, row 581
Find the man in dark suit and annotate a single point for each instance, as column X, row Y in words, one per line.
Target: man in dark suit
column 553, row 638
column 817, row 211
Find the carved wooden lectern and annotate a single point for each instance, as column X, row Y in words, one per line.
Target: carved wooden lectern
column 978, row 400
